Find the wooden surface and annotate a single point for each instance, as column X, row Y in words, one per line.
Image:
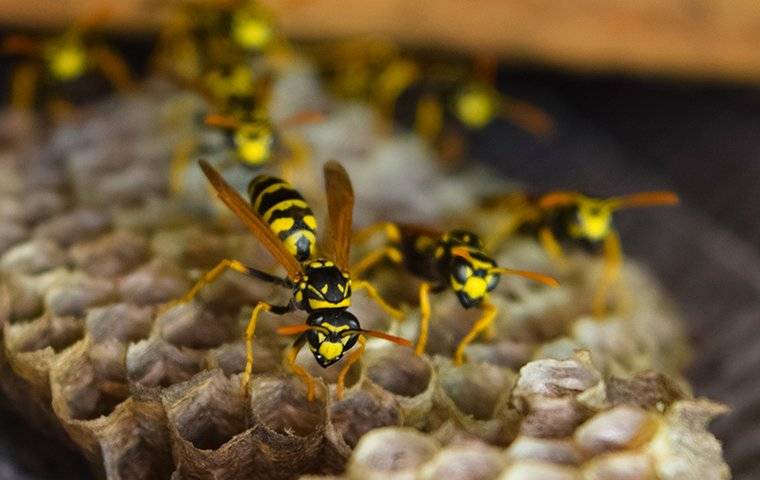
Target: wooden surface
column 717, row 39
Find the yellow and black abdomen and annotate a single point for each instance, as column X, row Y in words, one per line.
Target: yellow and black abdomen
column 286, row 212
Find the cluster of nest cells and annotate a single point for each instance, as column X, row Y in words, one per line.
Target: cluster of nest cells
column 93, row 244
column 91, row 247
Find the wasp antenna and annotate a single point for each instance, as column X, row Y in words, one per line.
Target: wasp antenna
column 645, row 199
column 538, row 277
column 385, row 336
column 556, row 199
column 221, row 121
column 19, row 44
column 305, row 117
column 293, row 329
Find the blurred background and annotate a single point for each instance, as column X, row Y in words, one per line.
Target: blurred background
column 644, row 94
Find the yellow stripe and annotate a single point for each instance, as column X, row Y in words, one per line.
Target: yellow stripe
column 284, row 205
column 321, row 304
column 282, row 225
column 333, row 328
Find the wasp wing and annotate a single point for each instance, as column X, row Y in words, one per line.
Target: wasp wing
column 340, row 208
column 256, row 224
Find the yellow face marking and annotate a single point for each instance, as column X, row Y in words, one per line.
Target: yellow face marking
column 284, row 205
column 67, row 60
column 439, row 252
column 329, row 264
column 253, row 147
column 475, row 287
column 594, row 220
column 299, row 296
column 330, row 350
column 324, row 289
column 340, row 288
column 475, row 107
column 321, row 337
column 251, row 32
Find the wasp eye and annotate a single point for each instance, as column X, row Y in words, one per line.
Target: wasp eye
column 491, row 281
column 462, row 272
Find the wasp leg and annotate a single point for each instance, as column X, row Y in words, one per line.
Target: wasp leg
column 424, row 318
column 350, row 360
column 612, row 261
column 389, row 229
column 528, row 117
column 428, row 118
column 489, row 313
column 178, row 165
column 551, row 245
column 374, row 295
column 24, row 86
column 299, row 370
column 113, row 67
column 250, row 330
column 219, row 269
column 505, row 229
column 375, row 257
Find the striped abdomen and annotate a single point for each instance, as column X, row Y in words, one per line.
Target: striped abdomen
column 286, row 212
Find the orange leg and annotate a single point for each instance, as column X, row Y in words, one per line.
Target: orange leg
column 301, row 372
column 374, row 295
column 24, row 86
column 113, row 67
column 353, row 358
column 489, row 313
column 424, row 318
column 552, row 247
column 613, row 259
column 250, row 330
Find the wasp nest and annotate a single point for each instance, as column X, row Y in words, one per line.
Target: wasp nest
column 91, row 245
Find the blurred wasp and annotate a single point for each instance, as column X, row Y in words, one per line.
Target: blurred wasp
column 558, row 217
column 203, row 35
column 62, row 59
column 454, row 260
column 253, row 138
column 284, row 223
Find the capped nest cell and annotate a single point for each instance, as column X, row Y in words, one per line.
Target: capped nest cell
column 90, row 255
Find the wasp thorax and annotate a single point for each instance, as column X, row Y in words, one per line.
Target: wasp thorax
column 335, row 332
column 323, row 286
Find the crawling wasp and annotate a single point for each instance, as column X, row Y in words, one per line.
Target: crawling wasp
column 62, row 59
column 283, row 222
column 561, row 216
column 454, row 260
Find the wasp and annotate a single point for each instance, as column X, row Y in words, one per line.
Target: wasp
column 62, row 59
column 202, row 36
column 283, row 222
column 570, row 217
column 453, row 260
column 252, row 137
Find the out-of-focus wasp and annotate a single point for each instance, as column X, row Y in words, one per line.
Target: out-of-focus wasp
column 560, row 216
column 254, row 139
column 283, row 222
column 454, row 260
column 61, row 59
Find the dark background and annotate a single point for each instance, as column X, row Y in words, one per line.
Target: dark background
column 615, row 135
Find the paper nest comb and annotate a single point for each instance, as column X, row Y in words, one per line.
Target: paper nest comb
column 90, row 245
